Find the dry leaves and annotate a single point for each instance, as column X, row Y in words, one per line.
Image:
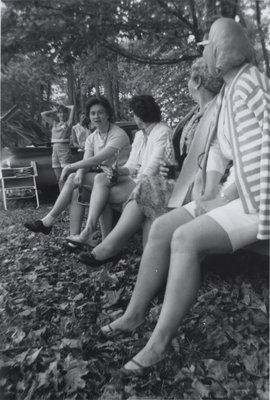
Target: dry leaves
column 52, row 307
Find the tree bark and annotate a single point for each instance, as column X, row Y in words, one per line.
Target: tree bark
column 70, row 84
column 228, row 8
column 264, row 50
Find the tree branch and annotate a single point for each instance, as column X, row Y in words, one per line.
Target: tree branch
column 147, row 60
column 176, row 13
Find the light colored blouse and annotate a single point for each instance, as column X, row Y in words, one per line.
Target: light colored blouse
column 148, row 150
column 60, row 132
column 116, row 138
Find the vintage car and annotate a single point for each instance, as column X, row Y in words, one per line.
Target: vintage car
column 24, row 139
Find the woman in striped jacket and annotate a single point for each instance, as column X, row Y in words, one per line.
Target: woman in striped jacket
column 236, row 214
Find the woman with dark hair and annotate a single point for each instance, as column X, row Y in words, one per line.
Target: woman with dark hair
column 101, row 147
column 145, row 108
column 144, row 160
column 60, row 119
column 100, row 101
column 237, row 215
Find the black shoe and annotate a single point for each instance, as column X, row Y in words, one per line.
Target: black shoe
column 90, row 260
column 37, row 226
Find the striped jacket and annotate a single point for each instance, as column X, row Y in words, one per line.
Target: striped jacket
column 248, row 107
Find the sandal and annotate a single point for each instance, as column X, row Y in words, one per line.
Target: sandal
column 141, row 370
column 79, row 245
column 111, row 333
column 71, row 247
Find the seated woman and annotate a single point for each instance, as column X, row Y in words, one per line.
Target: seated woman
column 153, row 195
column 236, row 217
column 146, row 153
column 100, row 149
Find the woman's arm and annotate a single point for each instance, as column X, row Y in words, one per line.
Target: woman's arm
column 71, row 114
column 159, row 142
column 49, row 116
column 103, row 155
column 222, row 196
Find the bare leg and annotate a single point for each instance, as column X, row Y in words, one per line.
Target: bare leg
column 199, row 237
column 62, row 201
column 57, row 173
column 146, row 229
column 77, row 210
column 106, row 221
column 103, row 193
column 76, row 214
column 153, row 268
column 129, row 223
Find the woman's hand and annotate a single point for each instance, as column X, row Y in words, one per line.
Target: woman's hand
column 108, row 171
column 163, row 169
column 111, row 174
column 205, row 205
column 65, row 172
column 78, row 178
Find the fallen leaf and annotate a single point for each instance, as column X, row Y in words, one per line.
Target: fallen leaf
column 33, row 357
column 18, row 336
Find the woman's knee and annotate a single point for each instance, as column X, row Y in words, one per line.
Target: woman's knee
column 71, row 180
column 101, row 179
column 159, row 230
column 184, row 240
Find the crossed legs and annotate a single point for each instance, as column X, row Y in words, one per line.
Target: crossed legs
column 67, row 196
column 102, row 195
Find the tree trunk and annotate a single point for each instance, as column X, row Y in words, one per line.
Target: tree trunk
column 195, row 20
column 228, row 8
column 115, row 89
column 70, row 84
column 211, row 14
column 108, row 89
column 264, row 50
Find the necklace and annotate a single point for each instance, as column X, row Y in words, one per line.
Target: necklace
column 105, row 137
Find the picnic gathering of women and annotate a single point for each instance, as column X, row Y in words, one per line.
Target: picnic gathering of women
column 201, row 188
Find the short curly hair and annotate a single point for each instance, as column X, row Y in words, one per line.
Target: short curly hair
column 103, row 102
column 213, row 84
column 145, row 107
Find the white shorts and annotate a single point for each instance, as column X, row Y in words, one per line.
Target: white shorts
column 241, row 228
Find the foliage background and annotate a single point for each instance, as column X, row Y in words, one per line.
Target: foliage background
column 52, row 306
column 66, row 50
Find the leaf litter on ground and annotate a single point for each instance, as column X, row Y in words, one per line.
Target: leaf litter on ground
column 52, row 308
